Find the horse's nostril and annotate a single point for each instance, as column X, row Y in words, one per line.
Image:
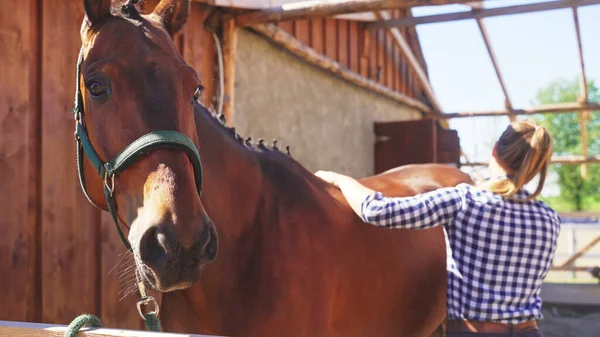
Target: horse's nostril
column 204, row 247
column 154, row 248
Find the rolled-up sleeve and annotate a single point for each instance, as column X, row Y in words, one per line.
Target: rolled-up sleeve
column 426, row 210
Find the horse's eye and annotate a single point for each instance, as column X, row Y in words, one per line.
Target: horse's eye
column 97, row 89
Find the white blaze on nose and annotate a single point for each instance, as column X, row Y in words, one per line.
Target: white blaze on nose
column 159, row 194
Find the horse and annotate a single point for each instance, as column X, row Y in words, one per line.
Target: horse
column 240, row 238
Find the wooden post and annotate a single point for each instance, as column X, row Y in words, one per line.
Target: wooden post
column 229, row 52
column 583, row 98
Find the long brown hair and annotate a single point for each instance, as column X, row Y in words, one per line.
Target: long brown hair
column 523, row 151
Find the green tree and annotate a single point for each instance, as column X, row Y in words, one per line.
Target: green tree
column 576, row 193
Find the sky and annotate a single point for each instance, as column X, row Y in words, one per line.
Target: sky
column 532, row 50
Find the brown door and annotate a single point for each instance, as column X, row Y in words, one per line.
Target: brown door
column 414, row 142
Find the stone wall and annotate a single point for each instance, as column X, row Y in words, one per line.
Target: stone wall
column 327, row 121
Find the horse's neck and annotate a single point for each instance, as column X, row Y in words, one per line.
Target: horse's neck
column 246, row 190
column 232, row 180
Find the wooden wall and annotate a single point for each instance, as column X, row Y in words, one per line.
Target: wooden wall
column 371, row 53
column 58, row 252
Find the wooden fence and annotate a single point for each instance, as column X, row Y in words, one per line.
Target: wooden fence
column 8, row 328
column 57, row 251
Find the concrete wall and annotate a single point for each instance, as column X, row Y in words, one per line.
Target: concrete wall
column 328, row 122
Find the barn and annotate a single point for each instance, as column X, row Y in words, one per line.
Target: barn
column 318, row 76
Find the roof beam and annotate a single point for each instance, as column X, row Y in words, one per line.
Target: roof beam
column 486, row 39
column 548, row 108
column 325, row 8
column 412, row 61
column 483, row 13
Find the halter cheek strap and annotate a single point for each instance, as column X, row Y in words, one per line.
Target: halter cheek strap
column 107, row 170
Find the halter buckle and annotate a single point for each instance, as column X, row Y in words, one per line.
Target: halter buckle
column 111, row 187
column 146, row 301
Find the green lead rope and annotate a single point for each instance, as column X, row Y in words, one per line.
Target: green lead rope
column 152, row 323
column 81, row 321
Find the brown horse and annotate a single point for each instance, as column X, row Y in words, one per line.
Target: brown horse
column 293, row 259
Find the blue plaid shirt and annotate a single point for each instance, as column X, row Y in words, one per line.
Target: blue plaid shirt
column 499, row 250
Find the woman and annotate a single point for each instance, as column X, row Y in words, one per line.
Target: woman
column 502, row 239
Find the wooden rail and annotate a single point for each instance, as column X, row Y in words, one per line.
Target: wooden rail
column 567, row 160
column 326, row 8
column 22, row 329
column 483, row 13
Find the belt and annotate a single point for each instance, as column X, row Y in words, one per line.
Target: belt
column 489, row 327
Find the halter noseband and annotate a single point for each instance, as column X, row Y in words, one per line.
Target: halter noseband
column 107, row 170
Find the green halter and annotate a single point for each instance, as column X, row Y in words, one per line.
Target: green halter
column 107, row 170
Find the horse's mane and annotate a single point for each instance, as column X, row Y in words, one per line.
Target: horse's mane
column 286, row 172
column 246, row 142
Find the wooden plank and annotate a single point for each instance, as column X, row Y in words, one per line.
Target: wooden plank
column 331, row 39
column 22, row 329
column 396, row 59
column 70, row 224
column 302, row 31
column 484, row 13
column 317, row 35
column 405, row 71
column 547, row 108
column 343, row 51
column 288, row 26
column 380, row 44
column 328, row 8
column 406, row 50
column 567, row 160
column 285, row 40
column 364, row 48
column 354, row 41
column 390, row 67
column 229, row 53
column 200, row 52
column 19, row 160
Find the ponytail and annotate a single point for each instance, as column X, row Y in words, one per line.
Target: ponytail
column 523, row 150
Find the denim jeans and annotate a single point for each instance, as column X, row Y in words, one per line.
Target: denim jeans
column 528, row 333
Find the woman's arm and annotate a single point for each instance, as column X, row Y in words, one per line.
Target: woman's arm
column 354, row 192
column 421, row 211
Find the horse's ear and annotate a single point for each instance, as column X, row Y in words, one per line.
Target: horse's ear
column 173, row 13
column 96, row 10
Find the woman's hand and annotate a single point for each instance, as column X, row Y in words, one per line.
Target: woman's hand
column 354, row 192
column 331, row 177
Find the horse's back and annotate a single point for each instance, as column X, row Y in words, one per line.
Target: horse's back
column 413, row 179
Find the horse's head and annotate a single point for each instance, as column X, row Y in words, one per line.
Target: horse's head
column 137, row 130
